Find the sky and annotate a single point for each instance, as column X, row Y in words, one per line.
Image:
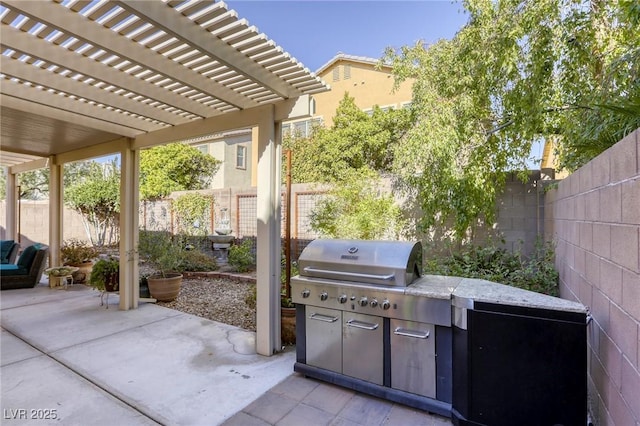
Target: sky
column 314, row 31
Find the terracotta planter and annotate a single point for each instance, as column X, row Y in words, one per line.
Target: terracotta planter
column 165, row 289
column 81, row 276
column 288, row 325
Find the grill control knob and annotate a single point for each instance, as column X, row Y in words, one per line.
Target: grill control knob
column 363, row 301
column 374, row 303
column 385, row 304
column 305, row 293
column 342, row 298
column 324, row 295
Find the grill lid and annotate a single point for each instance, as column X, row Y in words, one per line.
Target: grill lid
column 390, row 263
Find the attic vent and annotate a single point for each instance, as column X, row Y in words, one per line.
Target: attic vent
column 336, row 74
column 347, row 72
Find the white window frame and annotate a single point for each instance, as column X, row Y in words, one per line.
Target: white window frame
column 241, row 157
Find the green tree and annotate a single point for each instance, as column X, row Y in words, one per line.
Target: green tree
column 34, row 184
column 355, row 141
column 357, row 208
column 191, row 210
column 352, row 156
column 97, row 198
column 518, row 72
column 174, row 167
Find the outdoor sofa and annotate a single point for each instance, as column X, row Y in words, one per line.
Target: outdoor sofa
column 27, row 271
column 8, row 251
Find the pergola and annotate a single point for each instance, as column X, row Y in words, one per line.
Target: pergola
column 83, row 79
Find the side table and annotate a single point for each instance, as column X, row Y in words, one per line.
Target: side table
column 59, row 274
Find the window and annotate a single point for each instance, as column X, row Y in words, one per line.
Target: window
column 241, row 157
column 203, row 148
column 301, row 129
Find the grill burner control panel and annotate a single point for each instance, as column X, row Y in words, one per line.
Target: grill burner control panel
column 390, row 302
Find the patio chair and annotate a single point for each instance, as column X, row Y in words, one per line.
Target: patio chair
column 26, row 273
column 8, row 251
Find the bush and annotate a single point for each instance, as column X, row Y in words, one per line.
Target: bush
column 240, row 257
column 194, row 261
column 76, row 252
column 536, row 273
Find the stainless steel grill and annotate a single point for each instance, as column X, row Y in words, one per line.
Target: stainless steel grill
column 367, row 320
column 362, row 327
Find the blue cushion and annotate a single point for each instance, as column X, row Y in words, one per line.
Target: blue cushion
column 8, row 270
column 27, row 256
column 5, row 248
column 9, row 267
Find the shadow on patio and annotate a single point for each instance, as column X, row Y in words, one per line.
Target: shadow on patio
column 67, row 360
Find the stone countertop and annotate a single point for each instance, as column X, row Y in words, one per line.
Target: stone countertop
column 465, row 291
column 434, row 286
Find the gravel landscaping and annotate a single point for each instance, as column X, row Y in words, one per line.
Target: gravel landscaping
column 217, row 299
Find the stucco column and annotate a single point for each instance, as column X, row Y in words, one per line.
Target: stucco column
column 11, row 221
column 268, row 251
column 129, row 202
column 56, row 200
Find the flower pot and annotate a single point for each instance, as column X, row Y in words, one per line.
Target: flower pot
column 288, row 325
column 112, row 283
column 165, row 289
column 83, row 273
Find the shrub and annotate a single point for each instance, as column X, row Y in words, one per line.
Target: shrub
column 536, row 273
column 194, row 261
column 240, row 257
column 76, row 252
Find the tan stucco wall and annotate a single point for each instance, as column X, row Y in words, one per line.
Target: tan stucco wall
column 369, row 87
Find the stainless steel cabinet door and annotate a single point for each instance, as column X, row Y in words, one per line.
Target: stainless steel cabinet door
column 324, row 338
column 413, row 357
column 363, row 355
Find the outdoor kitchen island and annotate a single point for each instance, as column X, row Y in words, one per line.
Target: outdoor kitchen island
column 479, row 352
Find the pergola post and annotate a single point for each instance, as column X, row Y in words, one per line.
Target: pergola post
column 56, row 204
column 129, row 201
column 11, row 229
column 268, row 339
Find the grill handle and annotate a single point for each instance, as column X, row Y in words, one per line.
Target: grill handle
column 323, row 318
column 360, row 324
column 411, row 333
column 357, row 275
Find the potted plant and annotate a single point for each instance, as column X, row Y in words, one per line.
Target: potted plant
column 105, row 275
column 78, row 253
column 163, row 253
column 287, row 308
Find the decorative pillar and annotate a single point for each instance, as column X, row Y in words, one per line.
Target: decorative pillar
column 268, row 339
column 56, row 205
column 129, row 202
column 11, row 219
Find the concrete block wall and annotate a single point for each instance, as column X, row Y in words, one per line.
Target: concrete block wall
column 594, row 218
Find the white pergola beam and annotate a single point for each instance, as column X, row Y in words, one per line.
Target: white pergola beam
column 57, row 114
column 50, row 53
column 74, row 24
column 183, row 28
column 65, row 103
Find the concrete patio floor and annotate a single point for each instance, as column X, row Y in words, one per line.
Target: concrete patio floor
column 66, row 360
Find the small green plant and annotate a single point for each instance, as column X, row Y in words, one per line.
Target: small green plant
column 240, row 257
column 161, row 250
column 76, row 252
column 536, row 273
column 104, row 272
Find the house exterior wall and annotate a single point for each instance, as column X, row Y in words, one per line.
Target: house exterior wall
column 367, row 85
column 594, row 218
